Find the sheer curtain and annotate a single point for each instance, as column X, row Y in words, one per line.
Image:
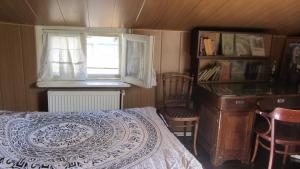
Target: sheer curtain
column 63, row 57
column 138, row 54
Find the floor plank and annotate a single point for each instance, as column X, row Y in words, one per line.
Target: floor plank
column 260, row 163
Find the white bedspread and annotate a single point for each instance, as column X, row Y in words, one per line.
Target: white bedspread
column 132, row 138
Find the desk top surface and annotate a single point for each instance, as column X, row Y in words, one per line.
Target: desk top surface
column 251, row 89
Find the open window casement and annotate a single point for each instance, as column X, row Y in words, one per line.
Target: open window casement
column 137, row 60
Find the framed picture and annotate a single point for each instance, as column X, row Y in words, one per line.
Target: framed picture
column 291, row 61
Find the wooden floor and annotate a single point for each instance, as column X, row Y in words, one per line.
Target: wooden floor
column 260, row 163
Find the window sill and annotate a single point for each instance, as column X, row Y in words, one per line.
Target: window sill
column 83, row 84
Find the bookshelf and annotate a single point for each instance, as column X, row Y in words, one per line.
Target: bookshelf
column 230, row 56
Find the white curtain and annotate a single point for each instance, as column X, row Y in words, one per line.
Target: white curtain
column 63, row 57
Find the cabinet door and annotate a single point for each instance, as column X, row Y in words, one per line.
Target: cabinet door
column 235, row 135
column 208, row 128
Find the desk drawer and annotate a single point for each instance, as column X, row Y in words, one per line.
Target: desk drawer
column 238, row 104
column 292, row 102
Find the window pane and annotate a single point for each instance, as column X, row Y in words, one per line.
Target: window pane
column 102, row 55
column 135, row 59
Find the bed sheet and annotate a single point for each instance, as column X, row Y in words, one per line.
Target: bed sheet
column 131, row 138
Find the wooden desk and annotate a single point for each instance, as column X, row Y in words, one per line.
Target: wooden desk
column 227, row 115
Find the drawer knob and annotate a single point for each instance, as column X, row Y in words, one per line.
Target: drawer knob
column 280, row 100
column 239, row 102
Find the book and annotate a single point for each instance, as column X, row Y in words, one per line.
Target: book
column 209, row 48
column 242, row 45
column 238, row 70
column 209, row 71
column 252, row 70
column 225, row 73
column 201, row 47
column 213, row 43
column 257, row 45
column 218, row 72
column 227, row 40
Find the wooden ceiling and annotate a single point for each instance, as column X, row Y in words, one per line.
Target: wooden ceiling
column 280, row 16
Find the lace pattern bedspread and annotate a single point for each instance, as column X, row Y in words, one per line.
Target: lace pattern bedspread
column 113, row 139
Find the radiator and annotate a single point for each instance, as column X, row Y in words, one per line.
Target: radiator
column 82, row 101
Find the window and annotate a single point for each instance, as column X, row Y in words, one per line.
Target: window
column 103, row 58
column 70, row 55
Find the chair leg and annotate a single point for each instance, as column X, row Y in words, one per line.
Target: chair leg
column 255, row 149
column 286, row 148
column 272, row 149
column 195, row 137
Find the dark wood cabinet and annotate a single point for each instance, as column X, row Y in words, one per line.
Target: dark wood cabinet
column 230, row 86
column 227, row 119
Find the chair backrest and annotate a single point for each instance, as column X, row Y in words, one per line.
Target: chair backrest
column 286, row 115
column 177, row 89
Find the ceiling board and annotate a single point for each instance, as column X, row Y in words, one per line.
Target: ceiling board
column 176, row 12
column 151, row 13
column 126, row 12
column 16, row 11
column 267, row 14
column 47, row 11
column 74, row 12
column 101, row 12
column 282, row 16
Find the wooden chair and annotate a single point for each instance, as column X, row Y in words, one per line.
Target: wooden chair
column 282, row 130
column 177, row 89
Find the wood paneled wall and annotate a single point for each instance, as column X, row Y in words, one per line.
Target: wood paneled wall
column 18, row 72
column 171, row 55
column 18, row 69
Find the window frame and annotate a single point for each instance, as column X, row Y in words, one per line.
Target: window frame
column 109, row 32
column 112, row 82
column 148, row 41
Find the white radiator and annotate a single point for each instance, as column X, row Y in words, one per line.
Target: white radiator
column 82, row 101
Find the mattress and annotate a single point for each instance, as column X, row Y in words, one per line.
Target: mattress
column 132, row 138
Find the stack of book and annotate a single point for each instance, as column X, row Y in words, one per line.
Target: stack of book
column 215, row 71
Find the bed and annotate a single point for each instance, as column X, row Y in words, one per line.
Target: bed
column 132, row 138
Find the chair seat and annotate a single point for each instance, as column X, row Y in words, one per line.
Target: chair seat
column 181, row 114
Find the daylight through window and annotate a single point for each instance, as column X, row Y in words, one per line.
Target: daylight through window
column 103, row 58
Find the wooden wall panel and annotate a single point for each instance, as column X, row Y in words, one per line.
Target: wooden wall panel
column 170, row 51
column 185, row 57
column 11, row 68
column 36, row 98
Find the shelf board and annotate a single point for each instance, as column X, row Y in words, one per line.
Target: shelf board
column 222, row 57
